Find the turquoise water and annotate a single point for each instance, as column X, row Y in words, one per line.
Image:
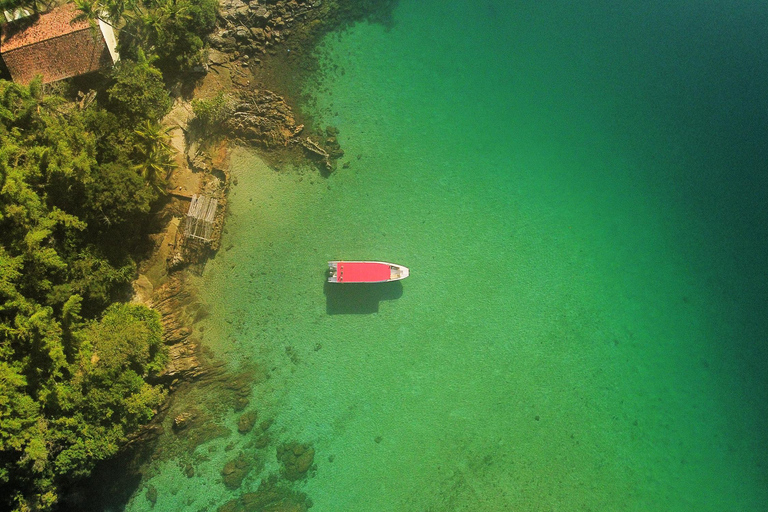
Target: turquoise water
column 580, row 192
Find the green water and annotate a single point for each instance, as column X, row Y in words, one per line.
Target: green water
column 579, row 191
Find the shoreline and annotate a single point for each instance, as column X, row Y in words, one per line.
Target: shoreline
column 204, row 168
column 167, row 277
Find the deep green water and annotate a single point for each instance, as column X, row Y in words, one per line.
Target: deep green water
column 580, row 192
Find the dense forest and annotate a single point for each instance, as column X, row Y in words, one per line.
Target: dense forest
column 78, row 181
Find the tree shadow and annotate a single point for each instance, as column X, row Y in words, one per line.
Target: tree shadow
column 359, row 298
column 112, row 482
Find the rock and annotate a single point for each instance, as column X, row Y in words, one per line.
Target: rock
column 235, row 11
column 231, row 506
column 334, row 148
column 242, row 34
column 235, row 470
column 262, row 441
column 304, row 461
column 183, row 363
column 152, row 495
column 177, row 334
column 269, row 497
column 241, row 403
column 182, row 421
column 222, row 42
column 246, row 422
column 258, row 34
column 216, row 57
column 295, row 460
column 263, row 118
column 199, row 163
column 261, row 13
column 315, row 151
column 142, row 289
column 193, row 149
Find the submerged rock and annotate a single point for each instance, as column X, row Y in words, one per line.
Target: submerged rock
column 182, row 421
column 235, row 470
column 152, row 495
column 263, row 118
column 246, row 422
column 262, row 441
column 270, row 497
column 295, row 460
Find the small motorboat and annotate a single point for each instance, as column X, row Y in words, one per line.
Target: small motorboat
column 365, row 272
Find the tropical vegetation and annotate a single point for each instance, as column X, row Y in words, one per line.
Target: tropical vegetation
column 78, row 184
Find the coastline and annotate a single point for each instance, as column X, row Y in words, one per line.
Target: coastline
column 277, row 58
column 592, row 373
column 165, row 278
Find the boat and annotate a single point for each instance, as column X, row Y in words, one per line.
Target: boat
column 365, row 272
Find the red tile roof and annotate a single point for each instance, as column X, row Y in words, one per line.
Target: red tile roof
column 57, row 22
column 52, row 46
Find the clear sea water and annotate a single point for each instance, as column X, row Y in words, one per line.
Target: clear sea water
column 580, row 190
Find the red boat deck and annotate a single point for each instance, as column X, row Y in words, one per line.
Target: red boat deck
column 362, row 272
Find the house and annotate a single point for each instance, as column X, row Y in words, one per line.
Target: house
column 52, row 45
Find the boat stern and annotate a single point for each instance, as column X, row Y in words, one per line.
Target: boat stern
column 333, row 269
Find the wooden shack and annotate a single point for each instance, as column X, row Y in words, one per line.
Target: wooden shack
column 52, row 45
column 201, row 218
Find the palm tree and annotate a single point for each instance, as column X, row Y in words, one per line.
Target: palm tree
column 154, row 154
column 91, row 11
column 110, row 12
column 34, row 6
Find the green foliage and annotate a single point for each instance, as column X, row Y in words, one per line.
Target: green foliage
column 76, row 185
column 108, row 397
column 139, row 91
column 106, row 197
column 212, row 114
column 72, row 386
column 154, row 155
column 30, row 5
column 172, row 30
column 128, row 337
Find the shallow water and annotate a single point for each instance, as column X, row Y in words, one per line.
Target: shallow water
column 579, row 191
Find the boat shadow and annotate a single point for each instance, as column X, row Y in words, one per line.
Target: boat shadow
column 359, row 298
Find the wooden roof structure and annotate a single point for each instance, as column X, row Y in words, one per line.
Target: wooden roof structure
column 200, row 218
column 52, row 45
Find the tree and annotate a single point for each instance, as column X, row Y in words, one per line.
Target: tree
column 211, row 115
column 138, row 92
column 30, row 5
column 72, row 386
column 154, row 154
column 172, row 30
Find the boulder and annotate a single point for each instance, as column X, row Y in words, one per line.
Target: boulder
column 234, row 471
column 235, row 11
column 246, row 422
column 152, row 495
column 258, row 34
column 223, row 41
column 295, row 460
column 182, row 421
column 270, row 497
column 216, row 57
column 261, row 13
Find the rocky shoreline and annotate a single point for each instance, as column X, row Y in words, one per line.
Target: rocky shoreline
column 258, row 56
column 249, row 57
